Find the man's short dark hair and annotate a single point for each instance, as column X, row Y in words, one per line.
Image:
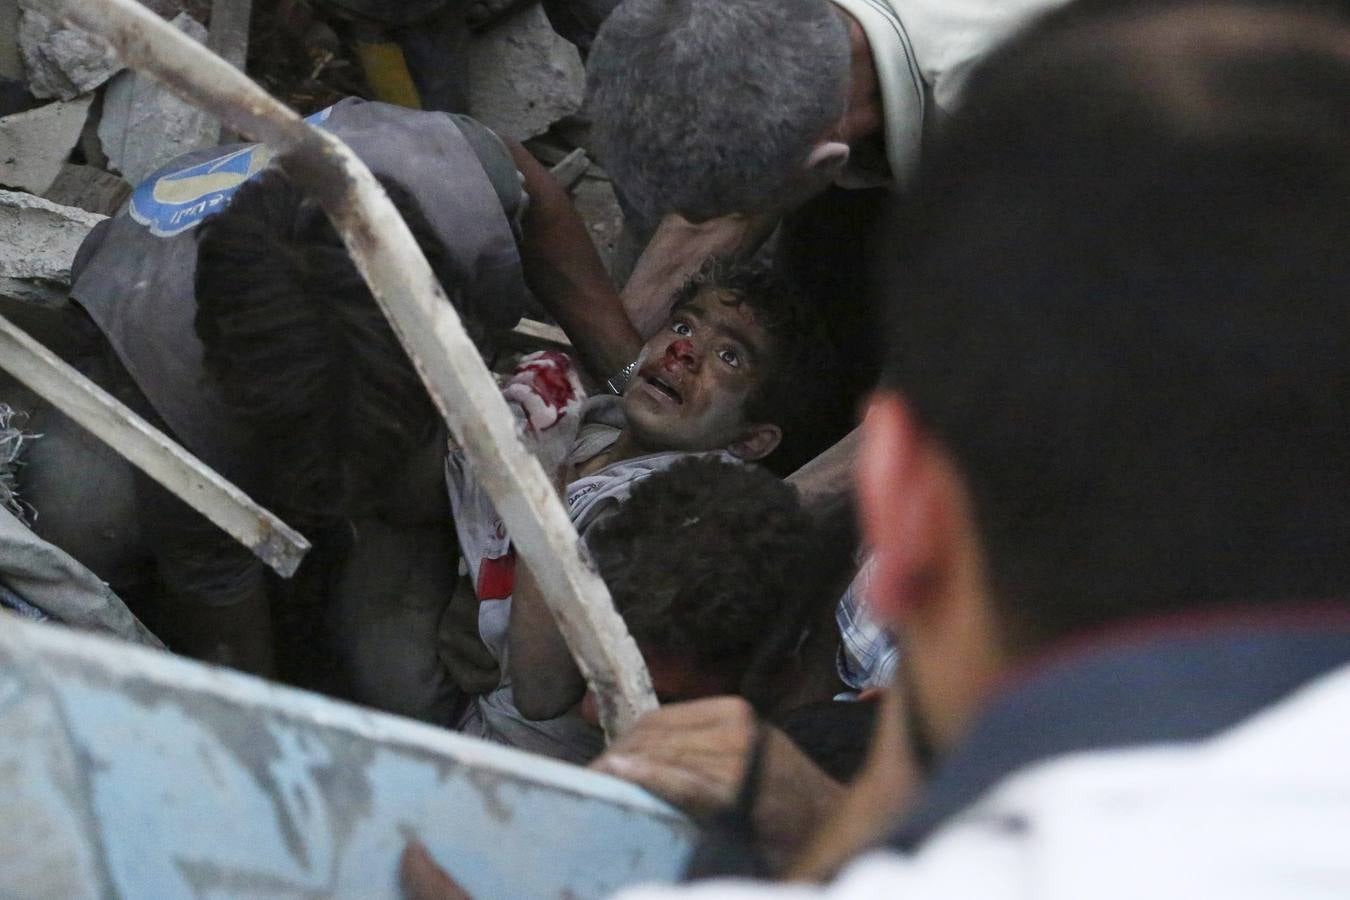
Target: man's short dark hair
column 800, row 388
column 706, row 559
column 1127, row 314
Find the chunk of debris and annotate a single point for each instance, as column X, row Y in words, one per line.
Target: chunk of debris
column 63, row 62
column 569, row 170
column 89, row 188
column 144, row 126
column 525, row 77
column 35, row 144
column 229, row 30
column 38, row 240
column 595, row 201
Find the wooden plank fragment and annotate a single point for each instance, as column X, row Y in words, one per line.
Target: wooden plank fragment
column 426, row 323
column 150, row 450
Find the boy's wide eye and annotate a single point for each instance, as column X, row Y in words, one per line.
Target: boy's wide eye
column 730, row 357
column 682, row 329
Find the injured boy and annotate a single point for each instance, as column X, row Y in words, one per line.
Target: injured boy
column 718, row 383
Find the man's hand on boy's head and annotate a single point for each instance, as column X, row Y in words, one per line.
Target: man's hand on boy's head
column 546, row 394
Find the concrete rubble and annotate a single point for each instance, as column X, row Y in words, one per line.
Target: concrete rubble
column 144, row 126
column 38, row 240
column 62, row 62
column 103, row 129
column 35, row 144
column 523, row 76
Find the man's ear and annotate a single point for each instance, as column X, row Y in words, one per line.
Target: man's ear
column 912, row 510
column 827, row 160
column 757, row 442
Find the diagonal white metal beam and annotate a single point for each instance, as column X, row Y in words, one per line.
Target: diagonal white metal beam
column 147, row 448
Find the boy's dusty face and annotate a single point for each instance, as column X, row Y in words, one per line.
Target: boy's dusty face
column 694, row 376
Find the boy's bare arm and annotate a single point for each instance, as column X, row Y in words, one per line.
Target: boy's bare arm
column 564, row 271
column 546, row 396
column 544, row 678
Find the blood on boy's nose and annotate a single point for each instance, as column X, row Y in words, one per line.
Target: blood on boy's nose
column 683, row 350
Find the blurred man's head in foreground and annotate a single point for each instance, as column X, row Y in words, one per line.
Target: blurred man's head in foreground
column 1119, row 374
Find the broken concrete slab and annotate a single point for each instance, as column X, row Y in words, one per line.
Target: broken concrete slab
column 144, row 126
column 88, row 188
column 595, row 201
column 525, row 77
column 62, row 62
column 35, row 144
column 38, row 240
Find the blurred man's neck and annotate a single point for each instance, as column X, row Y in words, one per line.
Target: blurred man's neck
column 863, row 115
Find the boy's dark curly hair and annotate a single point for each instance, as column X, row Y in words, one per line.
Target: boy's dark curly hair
column 800, row 386
column 300, row 350
column 706, row 559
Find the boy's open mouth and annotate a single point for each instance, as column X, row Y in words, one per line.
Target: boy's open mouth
column 664, row 388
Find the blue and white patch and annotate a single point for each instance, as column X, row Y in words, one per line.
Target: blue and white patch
column 178, row 201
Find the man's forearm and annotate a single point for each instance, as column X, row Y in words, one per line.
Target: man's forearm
column 564, row 271
column 676, row 251
column 872, row 804
column 826, row 482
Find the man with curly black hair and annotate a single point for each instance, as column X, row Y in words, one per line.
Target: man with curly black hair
column 703, row 561
column 707, row 561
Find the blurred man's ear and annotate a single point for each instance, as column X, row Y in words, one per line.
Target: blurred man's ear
column 929, row 581
column 912, row 510
column 757, row 442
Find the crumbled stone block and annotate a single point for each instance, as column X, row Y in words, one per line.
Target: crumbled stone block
column 35, row 144
column 523, row 76
column 38, row 240
column 62, row 62
column 145, row 126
